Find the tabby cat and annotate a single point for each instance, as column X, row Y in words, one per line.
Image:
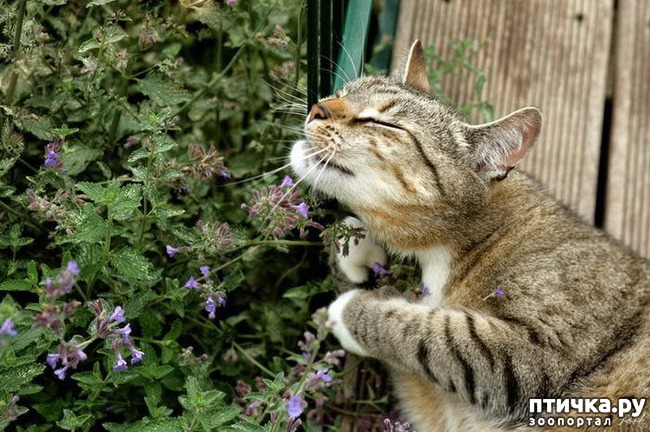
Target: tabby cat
column 525, row 300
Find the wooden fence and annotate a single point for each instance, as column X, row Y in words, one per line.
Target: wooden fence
column 586, row 65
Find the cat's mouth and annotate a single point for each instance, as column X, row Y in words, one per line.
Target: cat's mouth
column 323, row 159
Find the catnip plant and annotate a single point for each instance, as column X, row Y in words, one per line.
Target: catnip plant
column 160, row 269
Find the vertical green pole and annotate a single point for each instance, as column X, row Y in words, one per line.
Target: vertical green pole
column 355, row 31
column 326, row 59
column 312, row 52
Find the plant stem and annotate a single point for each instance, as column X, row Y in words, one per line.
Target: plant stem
column 19, row 30
column 252, row 360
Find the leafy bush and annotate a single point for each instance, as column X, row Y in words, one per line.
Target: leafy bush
column 159, row 270
column 140, row 294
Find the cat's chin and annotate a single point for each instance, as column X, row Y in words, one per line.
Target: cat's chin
column 327, row 179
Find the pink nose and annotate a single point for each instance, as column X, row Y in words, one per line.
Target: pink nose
column 318, row 112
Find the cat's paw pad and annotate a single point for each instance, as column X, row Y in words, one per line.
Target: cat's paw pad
column 362, row 255
column 335, row 318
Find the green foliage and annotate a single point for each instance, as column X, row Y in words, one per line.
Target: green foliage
column 460, row 61
column 151, row 277
column 137, row 292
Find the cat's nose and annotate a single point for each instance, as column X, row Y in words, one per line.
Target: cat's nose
column 318, row 112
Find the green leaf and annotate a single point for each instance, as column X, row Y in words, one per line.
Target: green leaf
column 162, row 91
column 71, row 421
column 91, row 228
column 91, row 43
column 132, row 265
column 148, row 425
column 13, row 378
column 126, row 202
column 39, row 126
column 98, row 3
column 154, row 372
column 16, row 285
column 94, row 191
column 75, row 159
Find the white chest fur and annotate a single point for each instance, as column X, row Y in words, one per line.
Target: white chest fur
column 436, row 266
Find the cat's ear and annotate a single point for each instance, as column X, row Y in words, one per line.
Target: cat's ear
column 497, row 147
column 415, row 73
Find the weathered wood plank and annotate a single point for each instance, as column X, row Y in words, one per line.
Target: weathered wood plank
column 547, row 53
column 627, row 209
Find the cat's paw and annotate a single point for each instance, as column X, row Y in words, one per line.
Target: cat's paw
column 335, row 318
column 362, row 255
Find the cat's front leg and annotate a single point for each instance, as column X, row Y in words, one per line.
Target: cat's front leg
column 479, row 358
column 362, row 254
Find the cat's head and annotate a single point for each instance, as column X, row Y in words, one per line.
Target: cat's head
column 385, row 147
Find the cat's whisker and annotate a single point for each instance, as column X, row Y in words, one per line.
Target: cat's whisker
column 324, row 166
column 297, row 182
column 276, row 170
column 347, row 53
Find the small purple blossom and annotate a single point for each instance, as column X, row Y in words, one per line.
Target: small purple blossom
column 171, row 250
column 53, row 154
column 302, row 209
column 52, row 159
column 53, row 359
column 120, row 364
column 136, row 354
column 205, row 271
column 125, row 332
column 222, row 301
column 379, row 270
column 425, row 290
column 324, row 376
column 117, row 315
column 295, row 406
column 498, row 292
column 8, row 328
column 389, row 426
column 210, row 307
column 60, row 373
column 287, row 182
column 73, row 268
column 192, row 283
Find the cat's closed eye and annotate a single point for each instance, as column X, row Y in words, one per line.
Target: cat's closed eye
column 375, row 121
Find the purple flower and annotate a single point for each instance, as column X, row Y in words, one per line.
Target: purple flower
column 61, row 372
column 302, row 209
column 53, row 359
column 117, row 315
column 52, row 159
column 192, row 283
column 120, row 364
column 136, row 354
column 53, row 155
column 425, row 290
column 124, row 332
column 323, row 375
column 222, row 301
column 210, row 307
column 8, row 328
column 499, row 292
column 379, row 270
column 73, row 267
column 225, row 174
column 78, row 355
column 287, row 182
column 295, row 406
column 205, row 271
column 171, row 250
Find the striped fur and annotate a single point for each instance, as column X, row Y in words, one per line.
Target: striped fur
column 574, row 320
